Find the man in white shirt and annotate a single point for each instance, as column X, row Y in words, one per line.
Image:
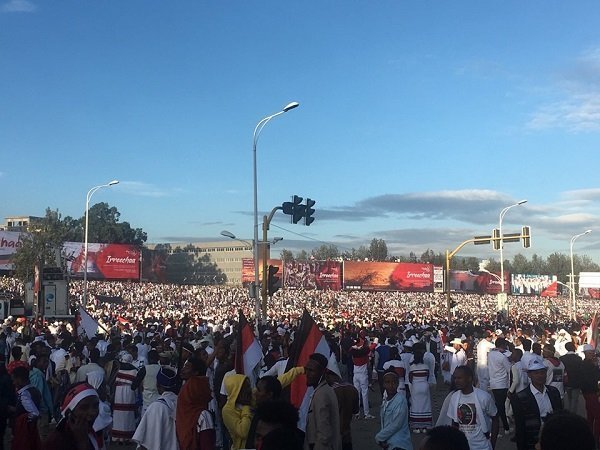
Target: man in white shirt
column 483, row 347
column 499, row 367
column 473, row 411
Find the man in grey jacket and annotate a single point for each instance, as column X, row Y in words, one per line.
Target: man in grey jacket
column 323, row 421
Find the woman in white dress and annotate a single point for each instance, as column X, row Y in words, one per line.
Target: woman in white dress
column 420, row 378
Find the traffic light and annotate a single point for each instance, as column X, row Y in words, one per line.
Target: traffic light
column 309, row 211
column 273, row 280
column 297, row 209
column 496, row 238
column 526, row 236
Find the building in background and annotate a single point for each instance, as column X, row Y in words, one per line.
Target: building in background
column 20, row 223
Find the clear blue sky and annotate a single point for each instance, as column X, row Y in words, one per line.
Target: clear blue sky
column 419, row 121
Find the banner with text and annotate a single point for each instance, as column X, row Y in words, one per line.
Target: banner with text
column 481, row 282
column 388, row 276
column 323, row 275
column 104, row 262
column 530, row 284
column 10, row 242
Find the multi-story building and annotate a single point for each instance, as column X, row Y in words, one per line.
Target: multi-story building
column 227, row 255
column 20, row 223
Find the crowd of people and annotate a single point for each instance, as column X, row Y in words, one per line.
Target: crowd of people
column 161, row 371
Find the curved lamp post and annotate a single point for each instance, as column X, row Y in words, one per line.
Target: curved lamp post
column 502, row 214
column 85, row 245
column 257, row 130
column 573, row 296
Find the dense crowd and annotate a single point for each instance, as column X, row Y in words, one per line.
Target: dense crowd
column 162, row 368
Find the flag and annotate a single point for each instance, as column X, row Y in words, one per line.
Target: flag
column 593, row 331
column 307, row 340
column 86, row 324
column 551, row 290
column 248, row 351
column 594, row 293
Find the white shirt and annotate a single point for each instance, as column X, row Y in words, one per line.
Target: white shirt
column 483, row 348
column 499, row 367
column 468, row 418
column 542, row 400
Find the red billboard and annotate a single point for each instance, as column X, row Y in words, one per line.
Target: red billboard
column 481, row 282
column 104, row 262
column 323, row 275
column 388, row 276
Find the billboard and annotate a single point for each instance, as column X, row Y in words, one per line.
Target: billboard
column 323, row 275
column 388, row 276
column 530, row 284
column 104, row 262
column 248, row 269
column 480, row 282
column 589, row 284
column 10, row 242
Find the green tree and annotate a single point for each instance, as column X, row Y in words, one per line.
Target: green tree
column 325, row 251
column 378, row 250
column 520, row 264
column 302, row 255
column 41, row 246
column 104, row 227
column 286, row 255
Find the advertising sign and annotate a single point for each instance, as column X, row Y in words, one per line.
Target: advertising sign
column 388, row 276
column 104, row 262
column 530, row 284
column 321, row 275
column 477, row 282
column 248, row 269
column 589, row 284
column 438, row 279
column 10, row 242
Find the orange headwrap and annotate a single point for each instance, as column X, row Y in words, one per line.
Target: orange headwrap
column 192, row 400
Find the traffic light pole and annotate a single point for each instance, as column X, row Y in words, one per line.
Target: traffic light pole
column 477, row 240
column 265, row 263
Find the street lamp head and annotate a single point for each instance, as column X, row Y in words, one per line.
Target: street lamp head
column 228, row 234
column 277, row 239
column 521, row 202
column 587, row 232
column 290, row 106
column 113, row 182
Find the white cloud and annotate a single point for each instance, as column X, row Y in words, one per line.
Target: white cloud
column 145, row 189
column 24, row 6
column 579, row 108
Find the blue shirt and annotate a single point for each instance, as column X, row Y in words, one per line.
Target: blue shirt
column 394, row 423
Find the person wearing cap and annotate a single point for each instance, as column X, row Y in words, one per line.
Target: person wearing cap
column 534, row 405
column 347, row 397
column 473, row 411
column 394, row 432
column 323, row 419
column 459, row 357
column 156, row 430
column 499, row 368
column 75, row 430
column 590, row 376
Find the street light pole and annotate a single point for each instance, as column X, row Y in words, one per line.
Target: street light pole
column 502, row 214
column 85, row 245
column 573, row 296
column 257, row 130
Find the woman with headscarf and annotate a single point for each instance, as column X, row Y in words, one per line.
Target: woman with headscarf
column 75, row 430
column 194, row 422
column 237, row 414
column 124, row 401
